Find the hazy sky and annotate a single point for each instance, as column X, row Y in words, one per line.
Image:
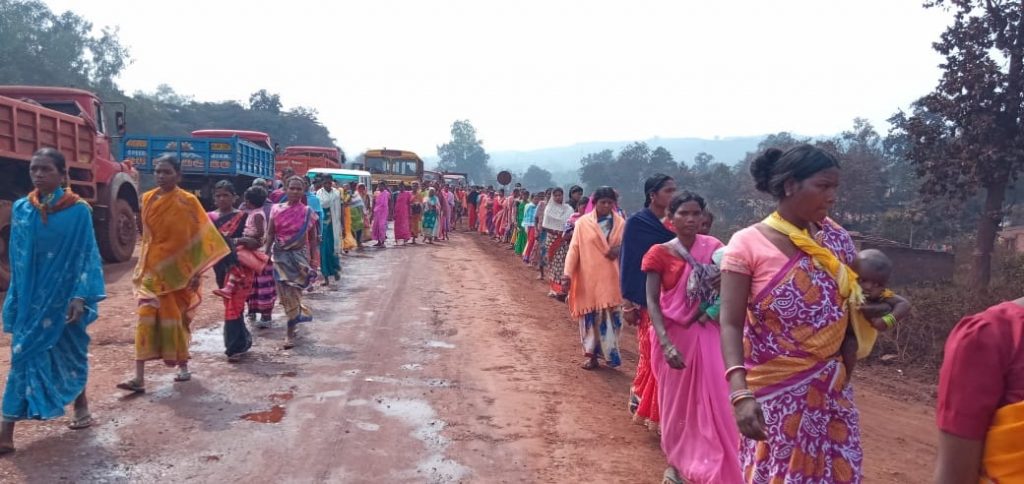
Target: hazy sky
column 532, row 74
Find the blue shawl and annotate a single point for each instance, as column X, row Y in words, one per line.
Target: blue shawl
column 643, row 231
column 51, row 263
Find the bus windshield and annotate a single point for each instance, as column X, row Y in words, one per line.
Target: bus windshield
column 377, row 166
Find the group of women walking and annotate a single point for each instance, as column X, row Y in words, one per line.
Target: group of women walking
column 430, row 213
column 740, row 366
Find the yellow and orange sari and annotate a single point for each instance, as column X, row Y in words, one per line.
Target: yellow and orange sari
column 179, row 243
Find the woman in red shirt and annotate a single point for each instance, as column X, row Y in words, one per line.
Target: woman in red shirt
column 981, row 398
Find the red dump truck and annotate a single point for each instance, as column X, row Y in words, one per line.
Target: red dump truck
column 304, row 158
column 74, row 122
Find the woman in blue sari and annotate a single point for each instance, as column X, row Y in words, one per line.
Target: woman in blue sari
column 56, row 282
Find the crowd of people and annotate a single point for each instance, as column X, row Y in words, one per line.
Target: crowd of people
column 746, row 349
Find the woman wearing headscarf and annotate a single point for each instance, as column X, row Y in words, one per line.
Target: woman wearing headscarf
column 56, row 283
column 381, row 205
column 431, row 213
column 787, row 295
column 592, row 274
column 644, row 230
column 358, row 204
column 556, row 214
column 332, row 238
column 179, row 243
column 698, row 433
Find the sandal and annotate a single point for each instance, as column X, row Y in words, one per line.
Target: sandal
column 82, row 422
column 133, row 386
column 590, row 365
column 183, row 376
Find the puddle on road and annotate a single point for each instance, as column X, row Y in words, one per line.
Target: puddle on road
column 274, row 415
column 365, row 426
column 427, row 429
column 440, row 344
column 411, row 367
column 330, row 394
column 208, row 340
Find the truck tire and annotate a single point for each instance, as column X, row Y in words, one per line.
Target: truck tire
column 5, row 239
column 116, row 235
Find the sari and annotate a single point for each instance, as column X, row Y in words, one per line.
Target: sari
column 594, row 296
column 981, row 389
column 349, row 240
column 643, row 231
column 520, row 232
column 557, row 253
column 416, row 214
column 431, row 211
column 484, row 203
column 54, row 259
column 293, row 234
column 229, row 272
column 796, row 322
column 332, row 236
column 179, row 243
column 263, row 297
column 380, row 216
column 698, row 431
column 403, row 216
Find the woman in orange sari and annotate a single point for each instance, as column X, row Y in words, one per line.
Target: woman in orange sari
column 787, row 293
column 179, row 243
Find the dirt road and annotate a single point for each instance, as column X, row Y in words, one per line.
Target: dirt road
column 430, row 364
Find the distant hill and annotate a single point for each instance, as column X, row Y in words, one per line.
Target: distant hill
column 565, row 160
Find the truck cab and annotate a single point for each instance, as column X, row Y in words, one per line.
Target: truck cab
column 73, row 121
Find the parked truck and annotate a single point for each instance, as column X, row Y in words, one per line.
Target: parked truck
column 301, row 159
column 207, row 156
column 74, row 122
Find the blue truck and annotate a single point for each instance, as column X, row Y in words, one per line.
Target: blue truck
column 207, row 156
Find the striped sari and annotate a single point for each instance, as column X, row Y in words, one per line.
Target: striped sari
column 179, row 243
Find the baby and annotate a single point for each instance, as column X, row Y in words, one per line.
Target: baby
column 882, row 307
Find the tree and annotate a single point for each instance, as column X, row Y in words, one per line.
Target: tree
column 39, row 47
column 263, row 101
column 537, row 179
column 465, row 154
column 966, row 136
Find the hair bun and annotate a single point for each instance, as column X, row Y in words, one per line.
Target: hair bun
column 761, row 169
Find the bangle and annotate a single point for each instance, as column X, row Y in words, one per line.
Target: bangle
column 890, row 320
column 740, row 395
column 734, row 368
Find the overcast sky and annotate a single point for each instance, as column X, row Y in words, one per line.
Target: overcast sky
column 533, row 74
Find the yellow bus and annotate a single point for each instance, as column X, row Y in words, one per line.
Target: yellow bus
column 393, row 166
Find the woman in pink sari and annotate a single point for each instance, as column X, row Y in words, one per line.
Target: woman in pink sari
column 698, row 432
column 403, row 206
column 380, row 215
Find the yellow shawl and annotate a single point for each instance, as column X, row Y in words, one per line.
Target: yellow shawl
column 178, row 243
column 595, row 278
column 1003, row 460
column 849, row 290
